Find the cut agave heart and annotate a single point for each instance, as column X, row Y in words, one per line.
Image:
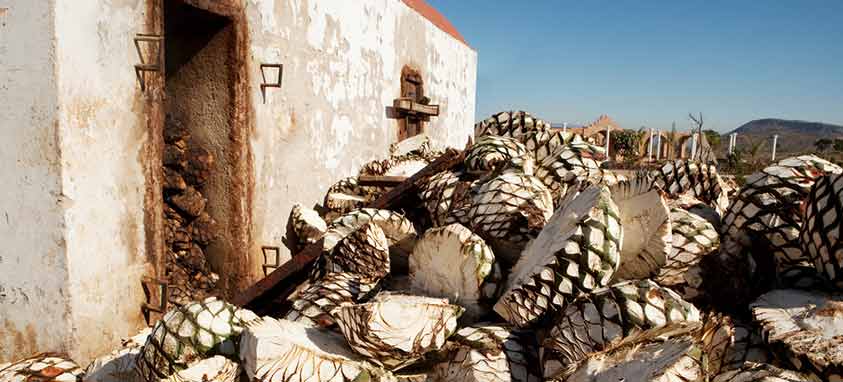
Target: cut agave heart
column 454, row 263
column 804, row 327
column 487, row 353
column 593, row 321
column 577, row 251
column 396, row 330
column 191, row 332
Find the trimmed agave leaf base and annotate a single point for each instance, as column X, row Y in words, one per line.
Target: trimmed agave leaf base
column 454, row 263
column 279, row 350
column 806, row 328
column 395, row 330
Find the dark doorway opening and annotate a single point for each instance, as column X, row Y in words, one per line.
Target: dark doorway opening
column 199, row 169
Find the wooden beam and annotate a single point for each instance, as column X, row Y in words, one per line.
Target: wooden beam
column 274, row 286
column 380, row 181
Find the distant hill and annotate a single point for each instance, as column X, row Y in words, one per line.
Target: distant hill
column 794, row 136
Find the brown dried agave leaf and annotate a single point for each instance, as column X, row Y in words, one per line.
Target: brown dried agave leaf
column 487, row 353
column 805, row 328
column 821, row 231
column 576, row 252
column 647, row 239
column 454, row 263
column 594, row 321
column 396, row 330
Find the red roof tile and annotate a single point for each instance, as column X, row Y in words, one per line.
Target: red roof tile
column 430, row 13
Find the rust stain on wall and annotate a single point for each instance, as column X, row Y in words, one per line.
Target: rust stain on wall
column 23, row 341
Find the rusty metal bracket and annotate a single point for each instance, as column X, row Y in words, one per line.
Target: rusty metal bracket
column 149, row 285
column 156, row 66
column 273, row 265
column 276, row 84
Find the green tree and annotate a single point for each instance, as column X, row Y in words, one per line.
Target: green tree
column 713, row 138
column 626, row 143
column 838, row 145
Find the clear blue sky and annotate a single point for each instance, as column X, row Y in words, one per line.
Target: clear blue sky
column 651, row 62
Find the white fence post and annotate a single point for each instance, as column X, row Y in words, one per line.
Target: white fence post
column 775, row 141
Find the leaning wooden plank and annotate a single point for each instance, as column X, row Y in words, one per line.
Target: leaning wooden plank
column 446, row 161
column 274, row 286
column 380, row 181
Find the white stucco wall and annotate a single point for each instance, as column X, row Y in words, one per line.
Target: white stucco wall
column 342, row 68
column 73, row 140
column 71, row 203
column 33, row 271
column 103, row 132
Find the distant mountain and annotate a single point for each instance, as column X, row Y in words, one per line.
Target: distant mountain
column 794, row 136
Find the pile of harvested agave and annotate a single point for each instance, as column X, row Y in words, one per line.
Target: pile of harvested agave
column 529, row 262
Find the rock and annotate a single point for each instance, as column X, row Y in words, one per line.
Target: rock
column 190, row 202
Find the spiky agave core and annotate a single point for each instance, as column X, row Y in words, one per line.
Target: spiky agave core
column 696, row 179
column 446, row 198
column 492, row 152
column 43, row 367
column 693, row 238
column 541, row 143
column 670, row 353
column 821, row 233
column 509, row 208
column 399, row 231
column 577, row 251
column 768, row 206
column 315, row 304
column 572, row 163
column 759, row 372
column 647, row 229
column 487, row 353
column 592, row 321
column 364, row 252
column 512, row 124
column 286, row 351
column 307, row 225
column 806, row 328
column 395, row 330
column 454, row 263
column 190, row 332
column 346, row 195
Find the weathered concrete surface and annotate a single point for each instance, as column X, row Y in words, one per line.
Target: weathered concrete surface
column 102, row 141
column 342, row 68
column 33, row 273
column 72, row 205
